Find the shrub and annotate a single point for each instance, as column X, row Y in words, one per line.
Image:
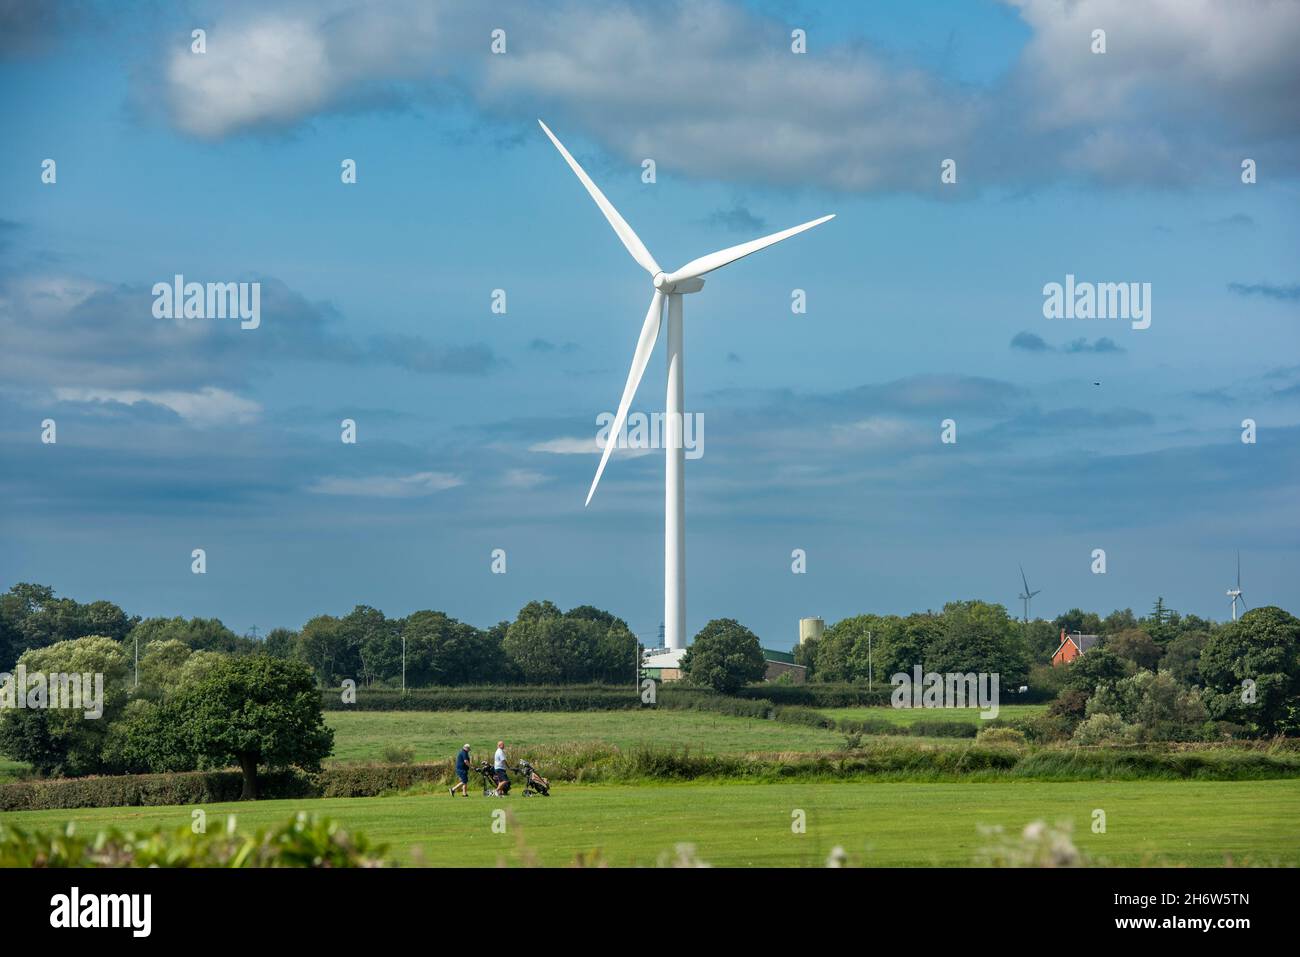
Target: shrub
column 1104, row 729
column 1010, row 736
column 1155, row 705
column 943, row 729
column 1070, row 703
column 145, row 790
column 398, row 754
column 804, row 716
column 1039, row 845
column 304, row 841
column 1047, row 728
column 819, row 695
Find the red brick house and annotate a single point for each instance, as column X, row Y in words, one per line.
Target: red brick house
column 1072, row 646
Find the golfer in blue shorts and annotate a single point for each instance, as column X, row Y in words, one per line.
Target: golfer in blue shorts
column 462, row 772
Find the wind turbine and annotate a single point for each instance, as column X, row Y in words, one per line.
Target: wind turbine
column 1026, row 594
column 1235, row 593
column 669, row 286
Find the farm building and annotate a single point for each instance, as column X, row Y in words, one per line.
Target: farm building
column 1072, row 646
column 666, row 665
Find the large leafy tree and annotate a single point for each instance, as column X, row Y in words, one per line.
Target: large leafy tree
column 280, row 642
column 1095, row 667
column 857, row 648
column 255, row 711
column 31, row 616
column 325, row 644
column 197, row 634
column 377, row 640
column 724, row 656
column 1263, row 647
column 161, row 665
column 979, row 636
column 1135, row 645
column 1076, row 619
column 1183, row 656
column 548, row 646
column 443, row 651
column 65, row 740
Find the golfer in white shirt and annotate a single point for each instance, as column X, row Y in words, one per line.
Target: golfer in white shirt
column 499, row 768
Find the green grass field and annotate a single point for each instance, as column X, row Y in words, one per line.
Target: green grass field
column 438, row 735
column 879, row 824
column 909, row 716
column 10, row 770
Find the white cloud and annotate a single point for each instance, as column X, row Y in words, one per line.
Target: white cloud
column 208, row 406
column 1180, row 80
column 582, row 446
column 568, row 446
column 387, row 486
column 710, row 89
column 522, row 478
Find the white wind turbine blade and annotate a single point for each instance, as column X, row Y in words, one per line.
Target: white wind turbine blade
column 723, row 257
column 630, row 239
column 644, row 346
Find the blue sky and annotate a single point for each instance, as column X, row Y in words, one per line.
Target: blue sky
column 822, row 429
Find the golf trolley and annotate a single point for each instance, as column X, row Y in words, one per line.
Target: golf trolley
column 534, row 783
column 490, row 781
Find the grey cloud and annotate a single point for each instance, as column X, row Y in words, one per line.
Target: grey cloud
column 547, row 346
column 32, row 27
column 1029, row 342
column 72, row 331
column 737, row 219
column 1268, row 290
column 1105, row 344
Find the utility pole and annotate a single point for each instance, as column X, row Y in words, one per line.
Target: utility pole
column 137, row 661
column 870, row 677
column 403, row 664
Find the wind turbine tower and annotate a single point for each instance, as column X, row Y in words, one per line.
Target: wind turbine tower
column 1235, row 593
column 669, row 288
column 1026, row 595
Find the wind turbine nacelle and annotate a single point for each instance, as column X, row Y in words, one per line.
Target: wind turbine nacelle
column 681, row 288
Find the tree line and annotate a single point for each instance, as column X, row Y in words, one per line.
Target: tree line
column 542, row 645
column 979, row 636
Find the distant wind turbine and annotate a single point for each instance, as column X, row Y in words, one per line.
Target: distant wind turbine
column 1235, row 593
column 1026, row 594
column 671, row 287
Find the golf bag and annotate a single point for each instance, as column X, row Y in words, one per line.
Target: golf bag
column 534, row 783
column 490, row 780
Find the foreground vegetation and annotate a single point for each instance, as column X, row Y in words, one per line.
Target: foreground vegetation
column 899, row 824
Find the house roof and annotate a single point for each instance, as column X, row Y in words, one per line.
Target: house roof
column 1082, row 642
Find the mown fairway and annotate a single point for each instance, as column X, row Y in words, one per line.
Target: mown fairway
column 881, row 824
column 438, row 735
column 909, row 716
